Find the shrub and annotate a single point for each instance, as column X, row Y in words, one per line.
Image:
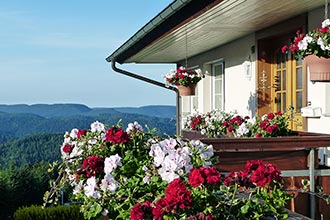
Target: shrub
column 53, row 213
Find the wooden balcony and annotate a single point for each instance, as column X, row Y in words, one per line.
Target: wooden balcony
column 294, row 155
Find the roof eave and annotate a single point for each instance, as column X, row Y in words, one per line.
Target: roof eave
column 175, row 15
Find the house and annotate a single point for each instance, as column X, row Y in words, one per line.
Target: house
column 238, row 44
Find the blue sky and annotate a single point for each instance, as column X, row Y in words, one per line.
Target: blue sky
column 54, row 52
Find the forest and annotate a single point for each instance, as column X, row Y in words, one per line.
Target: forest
column 30, row 142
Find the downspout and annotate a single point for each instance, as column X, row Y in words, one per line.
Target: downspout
column 163, row 85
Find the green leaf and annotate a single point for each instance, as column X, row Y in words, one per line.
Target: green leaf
column 245, row 208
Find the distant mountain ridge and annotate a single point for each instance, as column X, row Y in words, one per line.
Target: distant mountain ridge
column 20, row 120
column 59, row 110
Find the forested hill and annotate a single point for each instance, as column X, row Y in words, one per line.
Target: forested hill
column 29, row 134
column 59, row 110
column 20, row 120
column 30, row 150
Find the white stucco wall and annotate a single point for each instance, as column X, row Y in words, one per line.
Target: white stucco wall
column 319, row 96
column 318, row 93
column 240, row 90
column 239, row 87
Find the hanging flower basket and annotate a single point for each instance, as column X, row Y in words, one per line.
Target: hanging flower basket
column 188, row 90
column 305, row 46
column 184, row 79
column 319, row 68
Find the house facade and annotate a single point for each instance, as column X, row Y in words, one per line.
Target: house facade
column 237, row 44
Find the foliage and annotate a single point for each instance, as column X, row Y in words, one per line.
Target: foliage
column 19, row 125
column 39, row 213
column 30, row 150
column 314, row 42
column 270, row 125
column 132, row 174
column 217, row 123
column 21, row 186
column 183, row 76
column 252, row 193
column 111, row 169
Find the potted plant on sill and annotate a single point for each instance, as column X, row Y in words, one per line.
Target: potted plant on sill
column 314, row 47
column 217, row 123
column 184, row 79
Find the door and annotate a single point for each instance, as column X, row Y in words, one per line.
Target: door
column 288, row 90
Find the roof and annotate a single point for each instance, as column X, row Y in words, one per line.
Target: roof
column 190, row 27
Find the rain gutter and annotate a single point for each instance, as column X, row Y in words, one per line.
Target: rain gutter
column 149, row 27
column 177, row 13
column 151, row 81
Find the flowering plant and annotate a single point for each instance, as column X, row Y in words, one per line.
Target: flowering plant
column 252, row 193
column 271, row 125
column 111, row 169
column 183, row 76
column 315, row 42
column 217, row 123
column 211, row 124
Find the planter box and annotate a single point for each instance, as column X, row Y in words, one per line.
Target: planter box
column 286, row 153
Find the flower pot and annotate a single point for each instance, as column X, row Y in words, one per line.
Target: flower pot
column 319, row 68
column 187, row 90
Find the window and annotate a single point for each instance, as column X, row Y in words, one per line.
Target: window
column 218, row 88
column 194, row 101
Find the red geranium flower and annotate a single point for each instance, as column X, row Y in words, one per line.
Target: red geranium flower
column 67, row 148
column 159, row 209
column 92, row 166
column 81, row 133
column 213, row 177
column 196, row 178
column 116, row 135
column 141, row 211
column 177, row 196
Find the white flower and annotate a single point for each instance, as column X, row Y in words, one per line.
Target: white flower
column 146, row 179
column 91, row 188
column 325, row 23
column 134, row 127
column 302, row 45
column 78, row 187
column 199, row 72
column 111, row 163
column 320, row 42
column 242, row 129
column 108, row 183
column 92, row 141
column 105, row 212
column 67, row 138
column 264, row 117
column 97, row 127
column 189, row 167
column 76, row 152
column 157, row 153
column 207, row 153
column 169, row 144
column 184, row 160
column 145, row 168
column 167, row 176
column 170, row 163
column 74, row 133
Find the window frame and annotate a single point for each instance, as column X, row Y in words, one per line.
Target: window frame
column 213, row 85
